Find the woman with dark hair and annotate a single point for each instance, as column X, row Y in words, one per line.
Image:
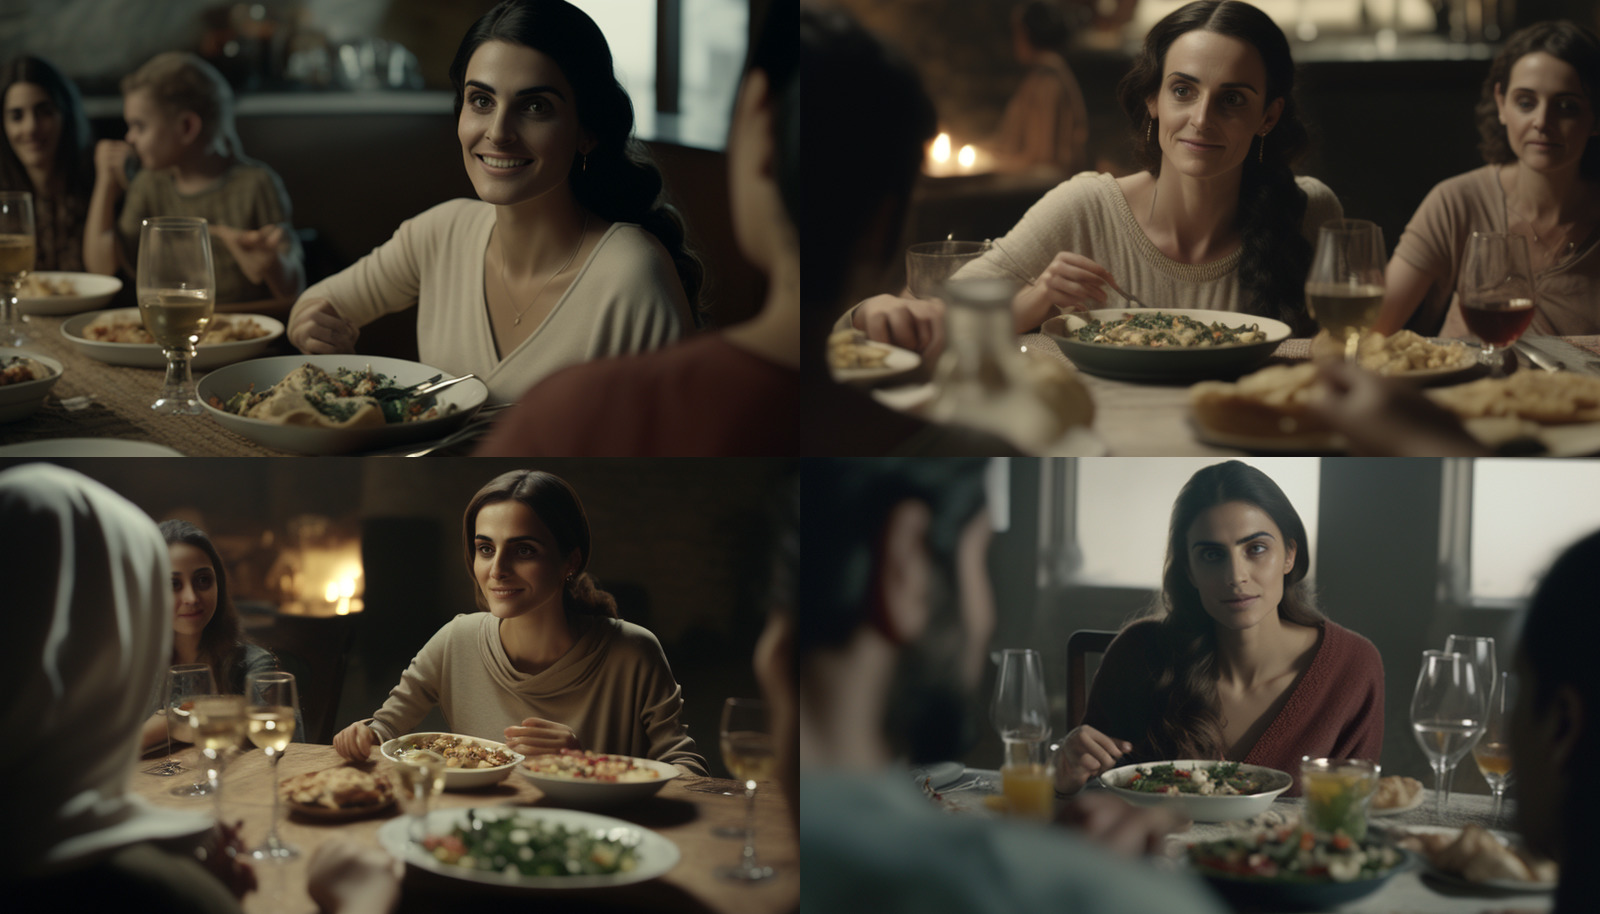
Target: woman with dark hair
column 1046, row 122
column 1555, row 727
column 1237, row 662
column 47, row 151
column 205, row 624
column 1215, row 219
column 549, row 666
column 570, row 254
column 731, row 393
column 1537, row 117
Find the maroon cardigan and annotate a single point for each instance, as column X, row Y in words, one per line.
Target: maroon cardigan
column 1335, row 711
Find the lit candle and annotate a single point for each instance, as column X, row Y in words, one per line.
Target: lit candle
column 941, row 149
column 966, row 157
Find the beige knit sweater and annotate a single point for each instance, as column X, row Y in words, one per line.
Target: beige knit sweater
column 625, row 298
column 613, row 688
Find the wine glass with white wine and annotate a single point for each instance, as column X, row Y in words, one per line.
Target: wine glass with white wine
column 176, row 291
column 747, row 751
column 421, row 776
column 16, row 260
column 1493, row 751
column 185, row 683
column 1344, row 288
column 272, row 699
column 219, row 725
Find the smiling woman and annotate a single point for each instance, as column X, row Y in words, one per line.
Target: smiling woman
column 1237, row 663
column 572, row 253
column 47, row 152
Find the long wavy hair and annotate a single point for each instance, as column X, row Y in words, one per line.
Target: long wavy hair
column 617, row 181
column 74, row 159
column 222, row 643
column 1566, row 41
column 1186, row 722
column 556, row 504
column 1275, row 256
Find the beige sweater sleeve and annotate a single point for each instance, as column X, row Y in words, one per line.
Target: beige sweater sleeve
column 417, row 692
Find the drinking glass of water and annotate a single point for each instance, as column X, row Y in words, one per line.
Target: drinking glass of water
column 1447, row 713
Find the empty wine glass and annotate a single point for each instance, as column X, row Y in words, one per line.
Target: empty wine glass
column 219, row 725
column 1446, row 716
column 421, row 776
column 176, row 291
column 1493, row 752
column 185, row 683
column 747, row 751
column 270, row 722
column 930, row 263
column 16, row 260
column 1496, row 292
column 1344, row 288
column 1479, row 652
column 1021, row 707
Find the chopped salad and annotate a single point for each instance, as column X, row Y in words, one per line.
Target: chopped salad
column 1222, row 779
column 1294, row 854
column 515, row 846
column 1161, row 330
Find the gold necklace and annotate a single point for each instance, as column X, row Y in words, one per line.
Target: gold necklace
column 505, row 287
column 1556, row 252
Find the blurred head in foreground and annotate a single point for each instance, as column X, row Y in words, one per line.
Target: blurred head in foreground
column 1555, row 729
column 895, row 606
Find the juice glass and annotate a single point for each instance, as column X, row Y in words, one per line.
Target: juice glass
column 1337, row 792
column 1029, row 786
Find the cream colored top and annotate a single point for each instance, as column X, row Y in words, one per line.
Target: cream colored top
column 1435, row 242
column 1088, row 215
column 626, row 298
column 613, row 688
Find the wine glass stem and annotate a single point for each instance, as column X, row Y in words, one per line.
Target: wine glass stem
column 272, row 829
column 1439, row 789
column 214, row 774
column 1499, row 793
column 748, row 859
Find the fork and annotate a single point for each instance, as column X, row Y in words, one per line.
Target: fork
column 1015, row 269
column 432, row 385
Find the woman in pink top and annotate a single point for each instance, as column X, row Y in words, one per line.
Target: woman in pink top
column 1238, row 663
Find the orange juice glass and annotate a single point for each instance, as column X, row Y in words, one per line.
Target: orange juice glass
column 1030, row 790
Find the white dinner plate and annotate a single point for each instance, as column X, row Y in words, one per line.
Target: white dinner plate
column 656, row 854
column 22, row 399
column 1498, row 885
column 148, row 355
column 938, row 774
column 1310, row 443
column 1397, row 810
column 898, row 362
column 1166, row 364
column 87, row 447
column 90, row 290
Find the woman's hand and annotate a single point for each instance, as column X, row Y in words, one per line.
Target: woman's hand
column 111, row 163
column 348, row 878
column 223, row 854
column 910, row 323
column 537, row 736
column 1387, row 418
column 1085, row 753
column 316, row 328
column 1072, row 282
column 355, row 742
column 1124, row 829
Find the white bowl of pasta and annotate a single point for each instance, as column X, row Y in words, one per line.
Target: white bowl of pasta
column 25, row 380
column 594, row 780
column 1204, row 790
column 470, row 762
column 117, row 337
column 1166, row 345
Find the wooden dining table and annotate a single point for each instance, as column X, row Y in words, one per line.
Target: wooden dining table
column 1153, row 419
column 685, row 812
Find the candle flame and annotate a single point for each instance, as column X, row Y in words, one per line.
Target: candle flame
column 967, row 156
column 941, row 148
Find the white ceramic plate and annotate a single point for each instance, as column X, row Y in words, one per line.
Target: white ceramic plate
column 1197, row 807
column 90, row 290
column 1175, row 364
column 1311, row 443
column 601, row 794
column 18, row 401
column 148, row 355
column 897, row 362
column 223, row 383
column 88, row 447
column 1498, row 885
column 456, row 778
column 1397, row 810
column 939, row 774
column 656, row 854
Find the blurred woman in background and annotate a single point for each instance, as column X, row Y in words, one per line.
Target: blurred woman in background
column 47, row 151
column 1046, row 122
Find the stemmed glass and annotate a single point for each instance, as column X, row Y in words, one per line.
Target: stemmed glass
column 185, row 683
column 421, row 775
column 219, row 724
column 1344, row 288
column 1496, row 291
column 1020, row 709
column 1479, row 652
column 176, row 290
column 930, row 263
column 1493, row 752
column 16, row 260
column 271, row 725
column 747, row 751
column 1446, row 715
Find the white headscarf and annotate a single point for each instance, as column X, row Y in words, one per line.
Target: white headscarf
column 88, row 606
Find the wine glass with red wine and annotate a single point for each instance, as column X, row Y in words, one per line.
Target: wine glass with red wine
column 1497, row 291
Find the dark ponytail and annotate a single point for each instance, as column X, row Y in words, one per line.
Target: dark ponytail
column 556, row 504
column 1274, row 256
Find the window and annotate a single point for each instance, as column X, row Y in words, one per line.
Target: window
column 630, row 30
column 1123, row 506
column 1524, row 512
